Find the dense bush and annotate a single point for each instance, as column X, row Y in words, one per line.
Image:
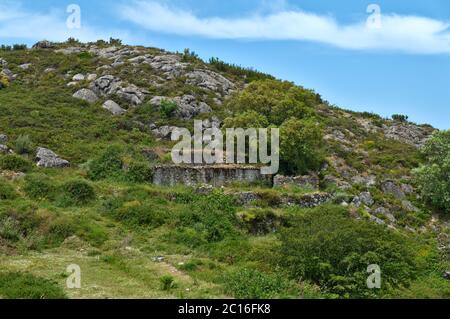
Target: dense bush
column 15, row 285
column 167, row 108
column 334, row 251
column 213, row 216
column 139, row 173
column 300, row 146
column 136, row 213
column 24, row 225
column 39, row 186
column 260, row 221
column 78, row 192
column 15, row 163
column 248, row 74
column 248, row 119
column 23, row 145
column 253, row 284
column 7, row 191
column 277, row 101
column 108, row 164
column 433, row 178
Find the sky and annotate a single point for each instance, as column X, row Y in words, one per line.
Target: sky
column 387, row 57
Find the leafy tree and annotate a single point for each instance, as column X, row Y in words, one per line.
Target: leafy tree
column 276, row 100
column 433, row 178
column 300, row 146
column 248, row 119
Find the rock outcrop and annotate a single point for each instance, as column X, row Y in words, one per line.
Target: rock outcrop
column 211, row 81
column 187, row 106
column 48, row 159
column 113, row 108
column 43, row 45
column 299, row 181
column 86, row 95
column 407, row 133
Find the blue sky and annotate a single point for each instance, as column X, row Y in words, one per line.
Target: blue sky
column 401, row 65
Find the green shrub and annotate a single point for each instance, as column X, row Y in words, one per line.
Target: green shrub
column 167, row 283
column 212, row 215
column 16, row 285
column 253, row 284
column 334, row 251
column 400, row 118
column 39, row 186
column 300, row 146
column 136, row 213
column 167, row 108
column 248, row 74
column 139, row 173
column 260, row 221
column 15, row 163
column 25, row 226
column 4, row 81
column 7, row 191
column 433, row 178
column 78, row 192
column 23, row 145
column 277, row 101
column 108, row 164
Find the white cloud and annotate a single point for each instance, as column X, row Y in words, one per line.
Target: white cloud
column 18, row 23
column 411, row 34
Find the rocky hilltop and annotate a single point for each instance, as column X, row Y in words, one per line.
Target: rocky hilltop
column 103, row 114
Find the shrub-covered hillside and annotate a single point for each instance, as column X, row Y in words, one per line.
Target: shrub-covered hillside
column 82, row 127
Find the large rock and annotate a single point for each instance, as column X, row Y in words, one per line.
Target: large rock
column 165, row 132
column 169, row 64
column 43, row 45
column 25, row 66
column 299, row 181
column 363, row 199
column 78, row 77
column 187, row 106
column 113, row 108
column 390, row 187
column 211, row 81
column 3, row 149
column 48, row 159
column 3, row 138
column 86, row 95
column 132, row 94
column 106, row 85
column 407, row 133
column 8, row 74
column 3, row 62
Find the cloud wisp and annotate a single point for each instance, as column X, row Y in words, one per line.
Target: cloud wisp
column 18, row 23
column 409, row 34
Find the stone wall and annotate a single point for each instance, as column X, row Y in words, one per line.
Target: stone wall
column 211, row 175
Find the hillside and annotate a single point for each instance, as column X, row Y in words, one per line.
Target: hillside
column 84, row 128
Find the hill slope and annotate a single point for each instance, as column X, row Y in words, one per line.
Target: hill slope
column 97, row 118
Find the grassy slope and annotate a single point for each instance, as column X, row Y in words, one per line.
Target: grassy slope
column 117, row 259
